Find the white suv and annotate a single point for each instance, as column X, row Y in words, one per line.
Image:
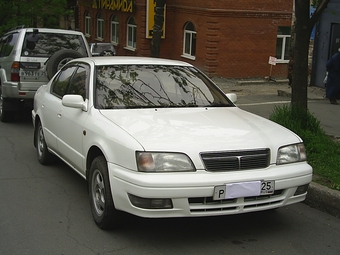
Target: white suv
column 29, row 57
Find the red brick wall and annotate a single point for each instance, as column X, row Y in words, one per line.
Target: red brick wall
column 234, row 38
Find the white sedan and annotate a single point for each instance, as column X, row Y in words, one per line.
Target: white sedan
column 157, row 138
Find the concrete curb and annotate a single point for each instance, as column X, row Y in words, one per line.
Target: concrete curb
column 323, row 199
column 261, row 82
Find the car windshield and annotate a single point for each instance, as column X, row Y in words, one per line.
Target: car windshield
column 45, row 44
column 149, row 86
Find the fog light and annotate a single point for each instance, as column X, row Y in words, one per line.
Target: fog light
column 151, row 203
column 301, row 190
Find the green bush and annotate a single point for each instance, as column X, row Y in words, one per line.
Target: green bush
column 323, row 152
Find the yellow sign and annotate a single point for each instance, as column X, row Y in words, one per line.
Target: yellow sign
column 114, row 5
column 150, row 18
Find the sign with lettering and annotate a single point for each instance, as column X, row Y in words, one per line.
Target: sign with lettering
column 272, row 61
column 114, row 5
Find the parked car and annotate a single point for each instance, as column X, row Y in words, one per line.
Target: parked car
column 157, row 138
column 29, row 57
column 102, row 49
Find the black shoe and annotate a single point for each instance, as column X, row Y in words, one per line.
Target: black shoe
column 333, row 101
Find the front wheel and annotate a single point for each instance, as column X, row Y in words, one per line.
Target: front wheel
column 103, row 211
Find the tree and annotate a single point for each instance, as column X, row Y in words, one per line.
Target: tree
column 31, row 13
column 157, row 29
column 304, row 24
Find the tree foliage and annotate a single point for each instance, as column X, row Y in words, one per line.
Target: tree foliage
column 31, row 13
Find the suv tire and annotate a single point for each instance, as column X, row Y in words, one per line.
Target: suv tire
column 5, row 115
column 59, row 59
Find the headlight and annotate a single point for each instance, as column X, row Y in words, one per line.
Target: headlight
column 291, row 153
column 163, row 162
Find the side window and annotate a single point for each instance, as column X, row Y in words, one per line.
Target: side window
column 7, row 44
column 79, row 82
column 283, row 44
column 189, row 42
column 61, row 82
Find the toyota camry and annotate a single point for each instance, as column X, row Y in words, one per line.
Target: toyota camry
column 157, row 138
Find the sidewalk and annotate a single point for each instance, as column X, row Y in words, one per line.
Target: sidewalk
column 319, row 197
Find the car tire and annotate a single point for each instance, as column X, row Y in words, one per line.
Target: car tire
column 103, row 210
column 44, row 156
column 5, row 116
column 59, row 59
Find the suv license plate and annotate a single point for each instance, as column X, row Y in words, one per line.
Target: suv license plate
column 244, row 189
column 33, row 73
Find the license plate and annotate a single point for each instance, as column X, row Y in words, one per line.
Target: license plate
column 33, row 73
column 244, row 189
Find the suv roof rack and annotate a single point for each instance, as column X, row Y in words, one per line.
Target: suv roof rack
column 15, row 28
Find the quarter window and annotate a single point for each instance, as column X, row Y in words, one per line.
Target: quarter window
column 131, row 33
column 283, row 44
column 87, row 24
column 189, row 42
column 114, row 30
column 100, row 26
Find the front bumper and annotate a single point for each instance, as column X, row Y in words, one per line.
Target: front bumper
column 191, row 193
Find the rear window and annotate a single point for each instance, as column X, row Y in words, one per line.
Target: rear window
column 45, row 44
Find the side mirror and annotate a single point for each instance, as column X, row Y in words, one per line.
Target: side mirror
column 74, row 101
column 232, row 97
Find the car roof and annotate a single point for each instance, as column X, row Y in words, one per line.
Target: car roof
column 47, row 30
column 128, row 60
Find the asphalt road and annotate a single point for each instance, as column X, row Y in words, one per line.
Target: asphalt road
column 45, row 210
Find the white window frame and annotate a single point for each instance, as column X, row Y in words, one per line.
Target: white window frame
column 114, row 30
column 188, row 40
column 131, row 33
column 87, row 24
column 100, row 27
column 284, row 39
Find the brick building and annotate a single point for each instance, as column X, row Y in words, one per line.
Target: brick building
column 231, row 39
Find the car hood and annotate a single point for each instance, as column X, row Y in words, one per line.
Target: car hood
column 200, row 129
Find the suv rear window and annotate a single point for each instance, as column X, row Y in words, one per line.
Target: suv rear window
column 49, row 43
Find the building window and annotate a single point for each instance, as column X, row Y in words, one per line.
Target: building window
column 100, row 26
column 131, row 34
column 189, row 42
column 283, row 44
column 87, row 24
column 114, row 30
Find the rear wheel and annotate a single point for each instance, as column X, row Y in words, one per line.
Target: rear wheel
column 5, row 115
column 44, row 156
column 103, row 211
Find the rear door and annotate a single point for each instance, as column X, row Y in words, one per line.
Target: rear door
column 71, row 130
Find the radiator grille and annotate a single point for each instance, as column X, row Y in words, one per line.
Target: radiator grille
column 236, row 160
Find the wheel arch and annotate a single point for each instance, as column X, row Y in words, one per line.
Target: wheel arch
column 36, row 121
column 93, row 152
